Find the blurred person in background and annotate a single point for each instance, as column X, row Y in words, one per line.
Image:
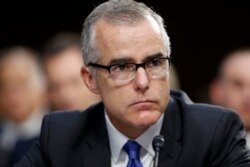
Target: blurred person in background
column 22, row 102
column 231, row 87
column 62, row 61
column 175, row 80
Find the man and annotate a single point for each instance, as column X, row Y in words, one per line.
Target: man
column 62, row 61
column 127, row 52
column 22, row 102
column 231, row 88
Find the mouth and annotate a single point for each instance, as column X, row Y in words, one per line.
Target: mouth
column 143, row 103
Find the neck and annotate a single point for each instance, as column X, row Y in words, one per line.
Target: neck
column 132, row 134
column 128, row 130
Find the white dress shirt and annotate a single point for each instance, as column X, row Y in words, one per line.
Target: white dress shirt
column 248, row 139
column 119, row 157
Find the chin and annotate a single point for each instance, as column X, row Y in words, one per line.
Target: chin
column 148, row 118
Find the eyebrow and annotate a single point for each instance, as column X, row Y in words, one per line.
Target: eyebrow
column 130, row 60
column 154, row 56
column 121, row 60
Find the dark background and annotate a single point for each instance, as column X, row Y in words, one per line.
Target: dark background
column 201, row 32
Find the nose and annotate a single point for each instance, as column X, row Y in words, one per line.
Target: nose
column 141, row 81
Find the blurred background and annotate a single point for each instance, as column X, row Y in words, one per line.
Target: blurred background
column 201, row 32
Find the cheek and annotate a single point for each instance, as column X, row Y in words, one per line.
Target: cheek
column 162, row 89
column 232, row 101
column 232, row 96
column 116, row 96
column 109, row 91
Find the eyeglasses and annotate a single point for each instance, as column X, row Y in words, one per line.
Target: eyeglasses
column 122, row 73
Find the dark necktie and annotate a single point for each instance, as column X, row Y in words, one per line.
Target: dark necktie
column 133, row 148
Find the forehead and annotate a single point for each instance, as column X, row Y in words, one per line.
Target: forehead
column 64, row 66
column 128, row 41
column 238, row 66
column 68, row 57
column 15, row 69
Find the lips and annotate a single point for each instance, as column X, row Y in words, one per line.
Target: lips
column 143, row 102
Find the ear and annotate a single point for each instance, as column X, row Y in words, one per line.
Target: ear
column 215, row 92
column 89, row 80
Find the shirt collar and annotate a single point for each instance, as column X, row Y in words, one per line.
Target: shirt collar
column 117, row 139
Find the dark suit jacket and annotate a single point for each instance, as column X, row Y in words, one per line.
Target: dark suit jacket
column 11, row 156
column 196, row 135
column 21, row 148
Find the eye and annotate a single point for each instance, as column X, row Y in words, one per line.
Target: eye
column 122, row 67
column 154, row 63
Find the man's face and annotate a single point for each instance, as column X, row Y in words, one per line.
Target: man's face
column 236, row 86
column 19, row 95
column 138, row 104
column 65, row 87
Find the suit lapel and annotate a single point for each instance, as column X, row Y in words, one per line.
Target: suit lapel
column 99, row 155
column 96, row 149
column 171, row 131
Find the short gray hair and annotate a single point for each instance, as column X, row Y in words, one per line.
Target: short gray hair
column 116, row 12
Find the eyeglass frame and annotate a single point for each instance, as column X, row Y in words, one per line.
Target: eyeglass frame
column 137, row 65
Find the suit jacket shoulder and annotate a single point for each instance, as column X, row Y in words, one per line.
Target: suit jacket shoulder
column 72, row 139
column 202, row 135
